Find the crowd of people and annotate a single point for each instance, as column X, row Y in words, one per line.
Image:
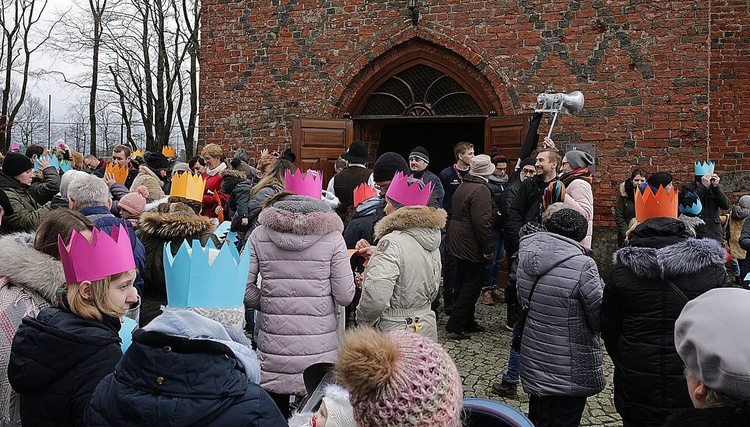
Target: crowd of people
column 239, row 274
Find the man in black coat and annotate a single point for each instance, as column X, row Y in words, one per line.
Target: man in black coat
column 706, row 186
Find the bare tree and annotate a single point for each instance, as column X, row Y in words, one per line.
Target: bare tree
column 18, row 19
column 97, row 8
column 32, row 120
column 191, row 13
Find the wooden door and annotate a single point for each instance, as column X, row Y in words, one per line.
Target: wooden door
column 318, row 143
column 506, row 133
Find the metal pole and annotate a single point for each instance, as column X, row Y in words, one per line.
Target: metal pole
column 554, row 118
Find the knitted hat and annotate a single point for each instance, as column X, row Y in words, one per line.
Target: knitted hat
column 420, row 153
column 745, row 202
column 156, row 161
column 568, row 223
column 180, row 166
column 5, row 204
column 15, row 164
column 711, row 339
column 357, row 153
column 579, row 159
column 529, row 161
column 340, row 411
column 134, row 203
column 399, row 378
column 387, row 165
column 481, row 165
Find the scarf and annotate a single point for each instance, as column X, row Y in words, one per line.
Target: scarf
column 217, row 170
column 580, row 173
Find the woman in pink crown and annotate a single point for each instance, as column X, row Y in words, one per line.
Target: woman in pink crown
column 59, row 357
column 403, row 275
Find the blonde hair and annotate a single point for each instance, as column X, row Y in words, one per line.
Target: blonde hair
column 214, row 151
column 96, row 307
column 275, row 177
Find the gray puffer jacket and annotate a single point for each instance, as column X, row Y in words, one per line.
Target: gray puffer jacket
column 561, row 354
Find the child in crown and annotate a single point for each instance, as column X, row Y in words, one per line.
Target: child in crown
column 59, row 357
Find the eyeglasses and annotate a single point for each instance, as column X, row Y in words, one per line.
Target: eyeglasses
column 528, row 171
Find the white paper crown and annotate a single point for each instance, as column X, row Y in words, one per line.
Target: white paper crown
column 203, row 276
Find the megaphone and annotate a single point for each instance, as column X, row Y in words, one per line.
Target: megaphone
column 556, row 103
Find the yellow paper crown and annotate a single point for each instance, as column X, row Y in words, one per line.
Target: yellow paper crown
column 168, row 151
column 188, row 185
column 120, row 172
column 660, row 205
column 138, row 153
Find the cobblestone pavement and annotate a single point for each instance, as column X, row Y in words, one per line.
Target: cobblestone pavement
column 482, row 360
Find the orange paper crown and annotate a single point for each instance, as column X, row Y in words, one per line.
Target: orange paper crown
column 120, row 172
column 362, row 193
column 188, row 185
column 138, row 153
column 660, row 205
column 168, row 151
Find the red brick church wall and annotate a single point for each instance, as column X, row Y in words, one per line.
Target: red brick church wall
column 665, row 82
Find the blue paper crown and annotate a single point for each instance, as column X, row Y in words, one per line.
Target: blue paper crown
column 65, row 166
column 193, row 280
column 224, row 234
column 704, row 168
column 693, row 209
column 51, row 159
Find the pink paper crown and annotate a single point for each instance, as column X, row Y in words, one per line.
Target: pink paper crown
column 309, row 185
column 408, row 194
column 104, row 256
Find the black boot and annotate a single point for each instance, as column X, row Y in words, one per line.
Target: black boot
column 448, row 303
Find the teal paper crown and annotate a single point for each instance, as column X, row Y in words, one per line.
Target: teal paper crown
column 704, row 168
column 65, row 166
column 223, row 233
column 205, row 276
column 51, row 159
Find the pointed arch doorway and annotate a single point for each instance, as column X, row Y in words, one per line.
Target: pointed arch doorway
column 427, row 96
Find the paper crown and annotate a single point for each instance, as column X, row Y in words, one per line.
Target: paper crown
column 15, row 147
column 704, row 168
column 120, row 172
column 188, row 185
column 51, row 159
column 138, row 153
column 311, row 184
column 203, row 276
column 362, row 193
column 688, row 208
column 650, row 205
column 408, row 194
column 65, row 166
column 104, row 256
column 223, row 232
column 168, row 151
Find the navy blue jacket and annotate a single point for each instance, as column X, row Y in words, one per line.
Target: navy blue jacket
column 104, row 221
column 56, row 361
column 165, row 380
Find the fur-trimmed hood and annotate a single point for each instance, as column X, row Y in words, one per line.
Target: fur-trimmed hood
column 26, row 267
column 233, row 173
column 168, row 226
column 297, row 231
column 689, row 256
column 151, row 181
column 411, row 217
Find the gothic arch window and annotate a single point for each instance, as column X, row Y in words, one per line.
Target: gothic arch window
column 420, row 90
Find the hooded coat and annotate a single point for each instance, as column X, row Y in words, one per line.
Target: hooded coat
column 300, row 254
column 27, row 212
column 203, row 384
column 625, row 209
column 561, row 354
column 43, row 190
column 56, row 361
column 151, row 181
column 639, row 310
column 402, row 278
column 28, row 280
column 156, row 229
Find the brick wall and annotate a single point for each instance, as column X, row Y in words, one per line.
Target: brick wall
column 657, row 94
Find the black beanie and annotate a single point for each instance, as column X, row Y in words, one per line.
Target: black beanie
column 568, row 223
column 387, row 165
column 156, row 161
column 529, row 161
column 15, row 164
column 420, row 153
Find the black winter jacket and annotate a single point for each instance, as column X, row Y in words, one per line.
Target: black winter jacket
column 639, row 310
column 165, row 380
column 469, row 234
column 56, row 361
column 712, row 199
column 709, row 417
column 524, row 206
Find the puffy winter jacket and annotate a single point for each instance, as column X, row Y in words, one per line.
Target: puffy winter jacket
column 43, row 190
column 640, row 308
column 402, row 278
column 300, row 254
column 713, row 199
column 164, row 380
column 27, row 212
column 469, row 234
column 56, row 361
column 525, row 206
column 561, row 354
column 28, row 280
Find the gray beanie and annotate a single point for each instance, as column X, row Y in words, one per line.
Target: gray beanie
column 568, row 223
column 579, row 159
column 745, row 202
column 420, row 153
column 711, row 338
column 301, row 204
